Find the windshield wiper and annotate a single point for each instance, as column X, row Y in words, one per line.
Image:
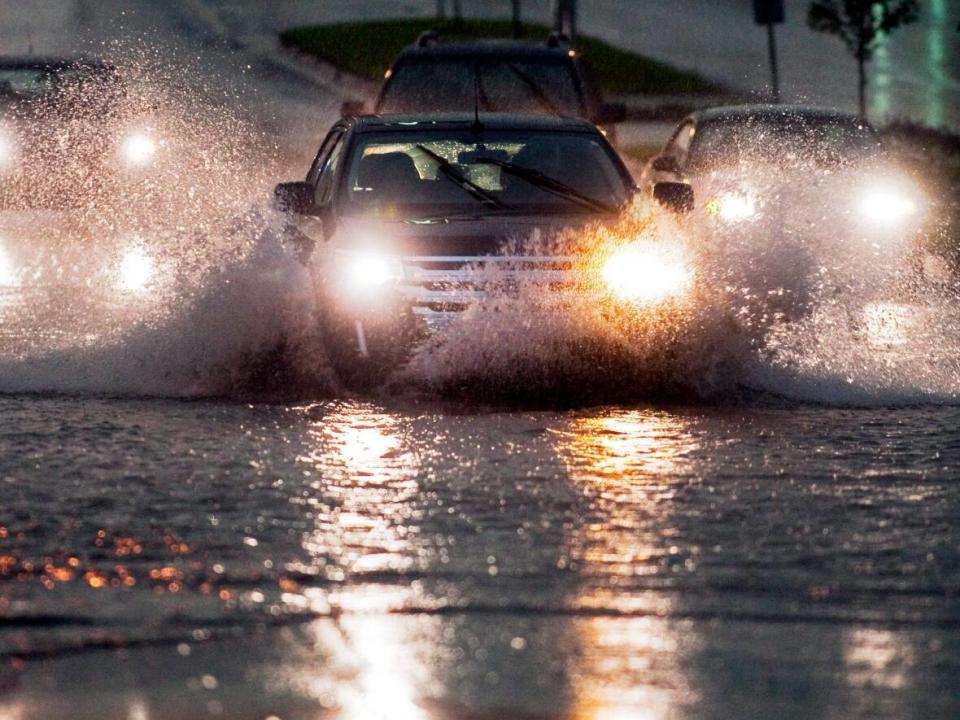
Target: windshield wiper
column 535, row 89
column 550, row 185
column 459, row 179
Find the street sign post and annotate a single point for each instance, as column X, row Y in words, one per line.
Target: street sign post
column 770, row 13
column 565, row 18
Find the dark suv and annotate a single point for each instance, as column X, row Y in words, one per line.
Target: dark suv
column 497, row 76
column 407, row 219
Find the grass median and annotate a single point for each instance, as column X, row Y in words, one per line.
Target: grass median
column 367, row 49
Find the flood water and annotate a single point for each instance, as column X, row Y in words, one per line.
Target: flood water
column 720, row 532
column 355, row 559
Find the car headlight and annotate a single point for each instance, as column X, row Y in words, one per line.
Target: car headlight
column 646, row 272
column 733, row 206
column 135, row 271
column 364, row 271
column 887, row 206
column 137, row 148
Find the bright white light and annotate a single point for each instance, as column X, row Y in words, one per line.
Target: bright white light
column 886, row 207
column 8, row 273
column 138, row 148
column 733, row 207
column 647, row 272
column 371, row 270
column 136, row 270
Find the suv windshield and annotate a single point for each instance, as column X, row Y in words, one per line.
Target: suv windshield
column 412, row 175
column 504, row 85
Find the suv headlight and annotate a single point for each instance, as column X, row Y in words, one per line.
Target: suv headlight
column 647, row 272
column 363, row 271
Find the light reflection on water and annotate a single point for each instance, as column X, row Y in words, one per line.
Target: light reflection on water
column 628, row 462
column 605, row 563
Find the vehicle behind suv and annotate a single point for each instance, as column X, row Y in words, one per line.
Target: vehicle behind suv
column 549, row 78
column 68, row 136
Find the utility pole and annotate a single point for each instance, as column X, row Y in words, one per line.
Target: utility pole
column 517, row 21
column 774, row 71
column 770, row 13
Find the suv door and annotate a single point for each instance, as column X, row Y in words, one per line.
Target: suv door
column 322, row 175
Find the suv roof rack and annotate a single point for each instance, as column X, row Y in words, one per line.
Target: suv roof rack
column 428, row 38
column 557, row 39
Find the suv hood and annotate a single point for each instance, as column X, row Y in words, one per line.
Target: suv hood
column 466, row 236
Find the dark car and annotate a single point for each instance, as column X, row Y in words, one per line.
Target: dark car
column 66, row 133
column 497, row 76
column 773, row 146
column 399, row 214
column 787, row 187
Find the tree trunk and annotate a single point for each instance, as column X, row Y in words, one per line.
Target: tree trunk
column 457, row 10
column 862, row 85
column 517, row 20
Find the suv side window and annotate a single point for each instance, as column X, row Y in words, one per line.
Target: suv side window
column 328, row 172
column 679, row 146
column 323, row 154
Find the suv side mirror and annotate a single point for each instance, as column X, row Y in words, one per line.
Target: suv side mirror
column 610, row 114
column 675, row 197
column 294, row 197
column 350, row 108
column 665, row 163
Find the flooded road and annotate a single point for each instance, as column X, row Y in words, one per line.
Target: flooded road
column 350, row 559
column 785, row 544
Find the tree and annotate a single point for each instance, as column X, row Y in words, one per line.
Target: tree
column 862, row 25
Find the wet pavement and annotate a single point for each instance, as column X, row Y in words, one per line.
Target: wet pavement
column 352, row 559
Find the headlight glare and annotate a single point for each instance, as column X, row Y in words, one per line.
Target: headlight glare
column 886, row 207
column 645, row 272
column 138, row 148
column 136, row 270
column 733, row 206
column 369, row 270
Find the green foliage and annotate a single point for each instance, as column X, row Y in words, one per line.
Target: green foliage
column 861, row 24
column 366, row 49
